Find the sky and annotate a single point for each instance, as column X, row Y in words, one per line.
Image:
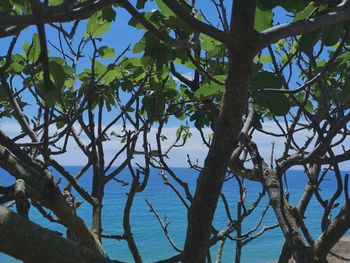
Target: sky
column 119, row 37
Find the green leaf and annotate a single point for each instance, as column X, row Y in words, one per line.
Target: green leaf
column 69, row 83
column 110, row 76
column 182, row 129
column 34, row 49
column 49, row 94
column 26, row 47
column 60, row 124
column 5, row 7
column 153, row 105
column 69, row 70
column 308, row 41
column 309, row 107
column 58, row 74
column 99, row 68
column 97, row 25
column 55, row 2
column 304, row 14
column 135, row 23
column 16, row 67
column 263, row 19
column 108, row 14
column 131, row 63
column 106, row 52
column 200, row 119
column 164, row 9
column 210, row 45
column 332, row 34
column 139, row 46
column 183, row 132
column 265, row 59
column 156, row 52
column 266, row 79
column 21, row 6
column 277, row 103
column 208, row 90
column 343, row 58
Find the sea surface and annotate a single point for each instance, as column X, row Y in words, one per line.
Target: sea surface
column 148, row 234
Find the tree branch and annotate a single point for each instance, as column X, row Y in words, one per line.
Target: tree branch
column 276, row 33
column 49, row 195
column 27, row 241
column 197, row 24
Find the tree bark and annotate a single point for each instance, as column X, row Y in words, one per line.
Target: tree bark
column 22, row 203
column 334, row 232
column 126, row 222
column 227, row 129
column 302, row 206
column 47, row 193
column 211, row 178
column 29, row 242
column 283, row 212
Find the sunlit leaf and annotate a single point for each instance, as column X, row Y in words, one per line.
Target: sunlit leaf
column 263, row 19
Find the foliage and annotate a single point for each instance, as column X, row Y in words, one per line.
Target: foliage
column 232, row 80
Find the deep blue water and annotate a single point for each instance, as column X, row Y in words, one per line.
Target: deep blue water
column 149, row 235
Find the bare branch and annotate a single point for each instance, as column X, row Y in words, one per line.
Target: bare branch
column 164, row 227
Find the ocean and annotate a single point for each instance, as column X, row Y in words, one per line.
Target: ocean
column 148, row 234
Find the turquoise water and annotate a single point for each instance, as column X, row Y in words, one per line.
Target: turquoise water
column 148, row 234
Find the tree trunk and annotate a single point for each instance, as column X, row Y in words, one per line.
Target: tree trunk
column 211, row 178
column 227, row 129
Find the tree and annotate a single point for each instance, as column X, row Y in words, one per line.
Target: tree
column 233, row 91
